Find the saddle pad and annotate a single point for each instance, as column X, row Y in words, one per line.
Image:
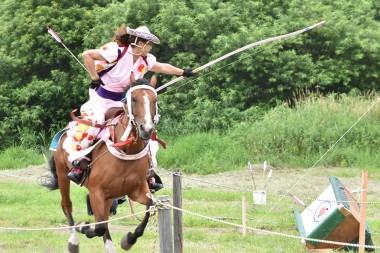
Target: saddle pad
column 56, row 138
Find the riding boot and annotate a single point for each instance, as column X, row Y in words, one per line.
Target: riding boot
column 154, row 181
column 80, row 166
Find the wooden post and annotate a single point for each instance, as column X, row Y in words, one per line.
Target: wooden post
column 165, row 226
column 363, row 210
column 244, row 218
column 131, row 206
column 177, row 215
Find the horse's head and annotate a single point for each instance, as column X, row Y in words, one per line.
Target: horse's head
column 142, row 106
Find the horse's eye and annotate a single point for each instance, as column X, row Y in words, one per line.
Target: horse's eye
column 134, row 100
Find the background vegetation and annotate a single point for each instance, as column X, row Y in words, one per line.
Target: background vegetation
column 286, row 102
column 41, row 83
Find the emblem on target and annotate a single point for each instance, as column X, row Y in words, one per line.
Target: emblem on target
column 322, row 211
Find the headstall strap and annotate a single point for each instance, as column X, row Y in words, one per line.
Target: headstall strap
column 111, row 126
column 129, row 104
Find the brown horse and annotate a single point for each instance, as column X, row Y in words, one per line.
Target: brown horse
column 113, row 177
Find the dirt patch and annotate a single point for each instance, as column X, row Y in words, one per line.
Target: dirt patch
column 29, row 174
column 299, row 182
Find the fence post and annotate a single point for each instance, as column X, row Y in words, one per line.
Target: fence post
column 244, row 216
column 177, row 214
column 165, row 225
column 363, row 211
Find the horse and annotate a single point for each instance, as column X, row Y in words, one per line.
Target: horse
column 113, row 175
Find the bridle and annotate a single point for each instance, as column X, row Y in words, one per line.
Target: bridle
column 132, row 121
column 112, row 147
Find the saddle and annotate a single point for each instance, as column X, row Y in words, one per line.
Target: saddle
column 113, row 112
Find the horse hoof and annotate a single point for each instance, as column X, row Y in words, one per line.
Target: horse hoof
column 82, row 229
column 73, row 248
column 125, row 245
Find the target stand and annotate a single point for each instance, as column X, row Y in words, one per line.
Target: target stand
column 334, row 216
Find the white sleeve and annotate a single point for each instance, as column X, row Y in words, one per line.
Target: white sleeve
column 110, row 51
column 151, row 59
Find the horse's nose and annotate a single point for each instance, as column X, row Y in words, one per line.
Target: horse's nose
column 146, row 128
column 146, row 131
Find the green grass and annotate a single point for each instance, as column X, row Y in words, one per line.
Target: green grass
column 40, row 209
column 19, row 157
column 303, row 136
column 285, row 137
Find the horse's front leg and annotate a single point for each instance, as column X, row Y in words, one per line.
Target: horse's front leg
column 99, row 205
column 131, row 238
column 100, row 208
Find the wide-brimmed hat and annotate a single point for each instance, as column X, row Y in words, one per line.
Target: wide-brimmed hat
column 144, row 33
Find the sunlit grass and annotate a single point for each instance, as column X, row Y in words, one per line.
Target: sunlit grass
column 317, row 131
column 19, row 157
column 40, row 209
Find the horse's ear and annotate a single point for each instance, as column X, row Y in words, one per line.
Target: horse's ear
column 153, row 81
column 132, row 78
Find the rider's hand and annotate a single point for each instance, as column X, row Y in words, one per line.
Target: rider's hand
column 188, row 72
column 95, row 84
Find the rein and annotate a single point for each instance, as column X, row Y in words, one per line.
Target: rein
column 128, row 136
column 129, row 105
column 114, row 147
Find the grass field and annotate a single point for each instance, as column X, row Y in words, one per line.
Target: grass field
column 26, row 205
column 215, row 181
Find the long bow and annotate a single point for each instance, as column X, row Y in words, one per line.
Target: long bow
column 243, row 49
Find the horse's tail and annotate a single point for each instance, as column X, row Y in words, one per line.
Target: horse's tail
column 50, row 180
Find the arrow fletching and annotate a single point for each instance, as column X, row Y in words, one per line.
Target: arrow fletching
column 250, row 167
column 298, row 201
column 55, row 36
column 270, row 173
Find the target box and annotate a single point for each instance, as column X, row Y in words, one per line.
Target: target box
column 334, row 216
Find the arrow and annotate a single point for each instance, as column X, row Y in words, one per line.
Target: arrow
column 57, row 38
column 300, row 202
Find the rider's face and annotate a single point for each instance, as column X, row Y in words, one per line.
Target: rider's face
column 147, row 47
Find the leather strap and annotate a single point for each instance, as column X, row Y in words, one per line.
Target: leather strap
column 85, row 122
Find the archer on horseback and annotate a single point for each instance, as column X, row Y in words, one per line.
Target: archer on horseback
column 110, row 68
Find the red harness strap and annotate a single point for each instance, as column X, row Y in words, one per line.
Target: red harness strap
column 86, row 122
column 101, row 73
column 155, row 138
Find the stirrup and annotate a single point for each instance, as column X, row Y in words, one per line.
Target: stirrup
column 75, row 176
column 80, row 171
column 154, row 184
column 155, row 187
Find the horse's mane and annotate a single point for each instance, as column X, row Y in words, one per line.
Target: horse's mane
column 141, row 81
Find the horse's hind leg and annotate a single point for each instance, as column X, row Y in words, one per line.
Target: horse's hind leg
column 73, row 243
column 66, row 204
column 108, row 243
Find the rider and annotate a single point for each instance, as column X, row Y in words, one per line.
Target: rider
column 130, row 48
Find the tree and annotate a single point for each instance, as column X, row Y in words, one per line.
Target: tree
column 41, row 83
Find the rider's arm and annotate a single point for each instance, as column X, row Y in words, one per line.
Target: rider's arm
column 89, row 58
column 166, row 68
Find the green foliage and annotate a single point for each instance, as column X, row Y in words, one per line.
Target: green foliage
column 41, row 82
column 203, row 153
column 333, row 58
column 317, row 131
column 18, row 157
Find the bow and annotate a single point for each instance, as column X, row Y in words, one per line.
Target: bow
column 243, row 49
